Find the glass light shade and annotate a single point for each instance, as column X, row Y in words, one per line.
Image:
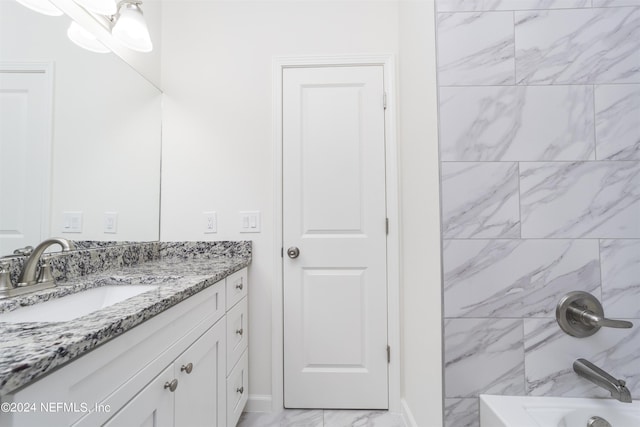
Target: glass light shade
column 42, row 6
column 101, row 7
column 85, row 39
column 131, row 28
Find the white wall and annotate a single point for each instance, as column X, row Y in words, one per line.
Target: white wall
column 217, row 130
column 421, row 301
column 106, row 128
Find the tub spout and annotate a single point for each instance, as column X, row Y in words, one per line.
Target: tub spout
column 599, row 377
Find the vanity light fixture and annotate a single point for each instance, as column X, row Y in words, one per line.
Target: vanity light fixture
column 130, row 27
column 101, row 7
column 42, row 6
column 85, row 39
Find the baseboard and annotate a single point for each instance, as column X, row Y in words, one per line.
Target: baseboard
column 407, row 416
column 258, row 403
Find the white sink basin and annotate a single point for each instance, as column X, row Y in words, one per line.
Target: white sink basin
column 75, row 305
column 518, row 411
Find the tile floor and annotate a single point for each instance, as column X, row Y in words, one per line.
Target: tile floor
column 321, row 418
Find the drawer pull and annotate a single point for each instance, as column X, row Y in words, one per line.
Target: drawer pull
column 187, row 368
column 239, row 286
column 172, row 386
column 240, row 331
column 240, row 390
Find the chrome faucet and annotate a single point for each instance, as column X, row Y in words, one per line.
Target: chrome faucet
column 30, row 280
column 30, row 269
column 617, row 388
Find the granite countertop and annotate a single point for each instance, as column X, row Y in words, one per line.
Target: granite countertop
column 30, row 350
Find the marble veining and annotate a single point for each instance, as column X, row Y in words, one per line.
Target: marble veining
column 483, row 356
column 617, row 110
column 461, row 413
column 30, row 350
column 515, row 278
column 286, row 418
column 321, row 418
column 478, row 5
column 582, row 46
column 480, row 200
column 615, row 3
column 580, row 199
column 475, row 48
column 550, row 353
column 355, row 418
column 620, row 277
column 512, row 123
column 563, row 110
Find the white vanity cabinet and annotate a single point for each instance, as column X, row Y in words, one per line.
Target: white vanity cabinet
column 237, row 346
column 187, row 393
column 128, row 380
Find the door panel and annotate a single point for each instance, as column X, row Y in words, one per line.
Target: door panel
column 335, row 291
column 329, row 343
column 25, row 114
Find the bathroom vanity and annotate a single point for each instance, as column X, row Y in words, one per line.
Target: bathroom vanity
column 174, row 355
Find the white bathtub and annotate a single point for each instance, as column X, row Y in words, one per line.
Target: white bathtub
column 519, row 411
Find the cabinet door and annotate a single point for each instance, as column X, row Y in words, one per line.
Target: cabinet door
column 237, row 333
column 201, row 398
column 152, row 407
column 237, row 390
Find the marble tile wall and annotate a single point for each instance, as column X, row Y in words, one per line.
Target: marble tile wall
column 539, row 109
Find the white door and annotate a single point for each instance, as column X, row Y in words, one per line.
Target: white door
column 334, row 213
column 25, row 156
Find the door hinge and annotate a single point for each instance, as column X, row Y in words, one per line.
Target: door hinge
column 388, row 354
column 386, row 225
column 384, row 100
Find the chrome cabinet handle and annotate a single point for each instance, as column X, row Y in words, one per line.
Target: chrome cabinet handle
column 240, row 331
column 240, row 390
column 240, row 286
column 172, row 386
column 293, row 252
column 580, row 315
column 187, row 368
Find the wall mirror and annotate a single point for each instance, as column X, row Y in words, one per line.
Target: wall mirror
column 97, row 174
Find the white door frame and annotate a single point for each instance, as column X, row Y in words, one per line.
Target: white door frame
column 387, row 61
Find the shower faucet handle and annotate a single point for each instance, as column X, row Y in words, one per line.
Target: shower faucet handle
column 584, row 315
column 580, row 314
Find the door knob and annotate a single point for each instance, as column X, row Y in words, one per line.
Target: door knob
column 293, row 252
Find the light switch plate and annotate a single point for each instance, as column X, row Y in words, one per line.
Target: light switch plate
column 210, row 222
column 71, row 222
column 250, row 222
column 111, row 222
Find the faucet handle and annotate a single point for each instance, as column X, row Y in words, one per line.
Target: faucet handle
column 46, row 275
column 585, row 315
column 580, row 315
column 5, row 279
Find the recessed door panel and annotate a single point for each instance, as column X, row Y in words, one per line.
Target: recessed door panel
column 331, row 155
column 334, row 310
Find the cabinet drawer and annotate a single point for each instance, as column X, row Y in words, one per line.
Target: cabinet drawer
column 236, row 287
column 237, row 333
column 237, row 390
